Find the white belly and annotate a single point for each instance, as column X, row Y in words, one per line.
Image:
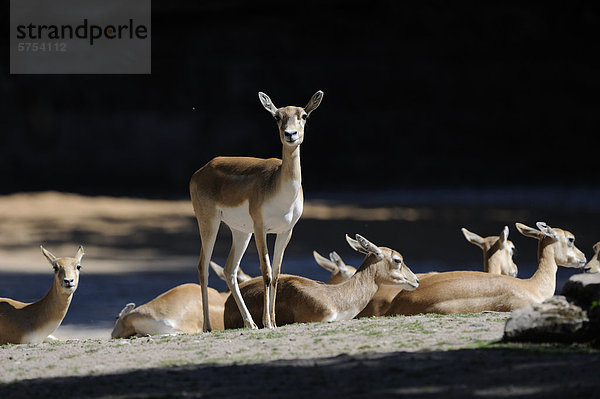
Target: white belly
column 345, row 315
column 149, row 326
column 279, row 214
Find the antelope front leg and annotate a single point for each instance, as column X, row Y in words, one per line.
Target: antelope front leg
column 267, row 273
column 239, row 243
column 281, row 243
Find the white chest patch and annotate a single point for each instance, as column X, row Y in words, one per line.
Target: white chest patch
column 39, row 335
column 280, row 213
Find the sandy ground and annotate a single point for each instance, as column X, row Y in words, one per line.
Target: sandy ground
column 417, row 356
column 136, row 249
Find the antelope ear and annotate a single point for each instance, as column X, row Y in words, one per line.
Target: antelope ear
column 79, row 254
column 473, row 238
column 324, row 262
column 242, row 276
column 547, row 230
column 314, row 102
column 267, row 103
column 339, row 263
column 355, row 245
column 128, row 308
column 596, row 247
column 51, row 258
column 218, row 270
column 529, row 231
column 369, row 246
column 504, row 236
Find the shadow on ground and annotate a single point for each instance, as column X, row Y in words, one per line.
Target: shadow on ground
column 450, row 374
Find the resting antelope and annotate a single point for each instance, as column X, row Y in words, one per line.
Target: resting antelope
column 497, row 258
column 340, row 271
column 252, row 196
column 303, row 300
column 497, row 252
column 472, row 292
column 32, row 323
column 593, row 265
column 177, row 311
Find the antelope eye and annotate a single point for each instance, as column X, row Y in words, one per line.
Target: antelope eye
column 277, row 117
column 304, row 116
column 397, row 260
column 571, row 240
column 78, row 267
column 55, row 267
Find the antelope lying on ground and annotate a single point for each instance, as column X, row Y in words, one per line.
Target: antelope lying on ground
column 497, row 259
column 593, row 265
column 32, row 323
column 252, row 196
column 340, row 271
column 302, row 300
column 497, row 252
column 472, row 292
column 177, row 311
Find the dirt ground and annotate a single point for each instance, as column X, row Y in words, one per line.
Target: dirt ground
column 137, row 248
column 417, row 356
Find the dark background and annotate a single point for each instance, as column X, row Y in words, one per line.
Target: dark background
column 417, row 94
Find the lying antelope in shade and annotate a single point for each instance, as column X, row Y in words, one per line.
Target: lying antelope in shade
column 177, row 311
column 593, row 265
column 32, row 323
column 497, row 259
column 252, row 196
column 472, row 292
column 497, row 252
column 302, row 300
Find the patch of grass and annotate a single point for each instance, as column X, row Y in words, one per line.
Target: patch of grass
column 415, row 326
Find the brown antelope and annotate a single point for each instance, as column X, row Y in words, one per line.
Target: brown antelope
column 177, row 311
column 303, row 300
column 472, row 292
column 252, row 196
column 593, row 265
column 497, row 252
column 32, row 323
column 497, row 259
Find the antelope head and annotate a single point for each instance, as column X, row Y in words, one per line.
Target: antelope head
column 593, row 265
column 565, row 252
column 291, row 120
column 391, row 263
column 121, row 330
column 66, row 270
column 496, row 250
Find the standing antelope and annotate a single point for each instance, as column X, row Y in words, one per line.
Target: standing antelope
column 176, row 311
column 497, row 252
column 32, row 323
column 472, row 292
column 302, row 300
column 252, row 195
column 593, row 265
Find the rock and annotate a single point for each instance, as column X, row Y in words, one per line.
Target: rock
column 583, row 288
column 554, row 320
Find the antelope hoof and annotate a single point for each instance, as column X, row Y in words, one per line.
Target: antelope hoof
column 251, row 325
